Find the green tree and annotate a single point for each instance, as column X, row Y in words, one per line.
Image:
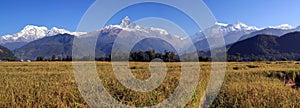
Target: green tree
column 158, row 55
column 237, row 56
column 150, row 55
column 40, row 58
column 59, row 58
column 53, row 58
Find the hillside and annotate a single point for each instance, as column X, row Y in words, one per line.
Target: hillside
column 6, row 54
column 268, row 47
column 59, row 45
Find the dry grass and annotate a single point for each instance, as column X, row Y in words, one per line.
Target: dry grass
column 52, row 84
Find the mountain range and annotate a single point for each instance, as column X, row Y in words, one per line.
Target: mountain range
column 104, row 39
column 59, row 45
column 233, row 33
column 31, row 33
column 31, row 41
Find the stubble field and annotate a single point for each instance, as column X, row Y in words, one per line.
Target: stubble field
column 52, row 84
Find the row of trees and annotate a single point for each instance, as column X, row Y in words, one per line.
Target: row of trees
column 139, row 56
column 54, row 58
column 147, row 56
column 268, row 57
column 168, row 56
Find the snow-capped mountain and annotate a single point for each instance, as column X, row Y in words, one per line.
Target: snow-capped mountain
column 104, row 39
column 106, row 36
column 272, row 30
column 31, row 33
column 127, row 31
column 128, row 25
column 55, row 31
column 108, row 33
column 239, row 26
column 236, row 32
column 231, row 32
column 282, row 26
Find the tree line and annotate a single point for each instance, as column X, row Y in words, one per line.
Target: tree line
column 168, row 56
column 237, row 57
column 137, row 56
column 54, row 58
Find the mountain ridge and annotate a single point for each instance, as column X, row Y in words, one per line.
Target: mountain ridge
column 104, row 39
column 128, row 31
column 268, row 47
column 30, row 33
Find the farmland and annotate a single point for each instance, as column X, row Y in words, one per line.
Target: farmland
column 52, row 84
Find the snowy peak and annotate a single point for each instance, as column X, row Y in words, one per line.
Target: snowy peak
column 30, row 33
column 125, row 22
column 34, row 28
column 31, row 30
column 242, row 26
column 282, row 26
column 221, row 24
column 128, row 25
column 55, row 31
column 239, row 26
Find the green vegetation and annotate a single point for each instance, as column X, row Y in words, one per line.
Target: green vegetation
column 52, row 84
column 6, row 54
column 266, row 48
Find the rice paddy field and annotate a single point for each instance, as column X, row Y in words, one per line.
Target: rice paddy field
column 246, row 84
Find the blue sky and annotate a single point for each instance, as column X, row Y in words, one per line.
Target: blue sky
column 259, row 13
column 15, row 14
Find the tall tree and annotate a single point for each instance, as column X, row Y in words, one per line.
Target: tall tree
column 53, row 58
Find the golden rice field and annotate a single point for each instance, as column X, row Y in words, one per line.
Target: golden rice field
column 52, row 84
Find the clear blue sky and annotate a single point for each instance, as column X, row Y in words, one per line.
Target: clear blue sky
column 15, row 14
column 259, row 13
